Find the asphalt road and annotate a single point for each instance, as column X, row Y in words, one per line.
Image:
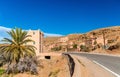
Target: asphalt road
column 110, row 62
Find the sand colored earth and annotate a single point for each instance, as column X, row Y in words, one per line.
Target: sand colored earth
column 54, row 67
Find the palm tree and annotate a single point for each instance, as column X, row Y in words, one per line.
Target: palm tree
column 16, row 48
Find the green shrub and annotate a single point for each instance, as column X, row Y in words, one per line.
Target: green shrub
column 56, row 48
column 75, row 46
column 84, row 48
column 54, row 73
column 2, row 71
column 110, row 41
column 95, row 42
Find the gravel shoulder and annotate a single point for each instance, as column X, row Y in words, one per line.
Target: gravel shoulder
column 86, row 68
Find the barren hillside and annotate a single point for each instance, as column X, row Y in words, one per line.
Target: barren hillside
column 105, row 36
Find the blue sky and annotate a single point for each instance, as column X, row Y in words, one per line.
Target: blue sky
column 59, row 16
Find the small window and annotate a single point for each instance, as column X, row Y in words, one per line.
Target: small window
column 47, row 57
column 33, row 42
column 33, row 33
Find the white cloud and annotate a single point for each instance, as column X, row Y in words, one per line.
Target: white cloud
column 3, row 33
column 4, row 28
column 52, row 35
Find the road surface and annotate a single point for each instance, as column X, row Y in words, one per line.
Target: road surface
column 112, row 63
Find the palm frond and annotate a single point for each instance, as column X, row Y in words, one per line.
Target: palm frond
column 16, row 48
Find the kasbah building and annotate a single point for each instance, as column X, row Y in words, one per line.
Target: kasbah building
column 37, row 36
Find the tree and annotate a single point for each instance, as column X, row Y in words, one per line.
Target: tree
column 95, row 42
column 57, row 48
column 75, row 46
column 84, row 48
column 15, row 48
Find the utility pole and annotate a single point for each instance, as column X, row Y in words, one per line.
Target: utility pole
column 104, row 44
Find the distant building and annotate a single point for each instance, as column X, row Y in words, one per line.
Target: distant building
column 63, row 39
column 37, row 37
column 70, row 44
column 100, row 40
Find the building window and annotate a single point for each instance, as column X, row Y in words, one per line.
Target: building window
column 33, row 42
column 33, row 33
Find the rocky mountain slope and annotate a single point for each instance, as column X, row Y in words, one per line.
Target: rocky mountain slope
column 100, row 37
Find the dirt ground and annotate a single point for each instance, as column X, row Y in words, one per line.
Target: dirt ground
column 109, row 52
column 55, row 67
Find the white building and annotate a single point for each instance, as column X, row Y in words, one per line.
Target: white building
column 37, row 36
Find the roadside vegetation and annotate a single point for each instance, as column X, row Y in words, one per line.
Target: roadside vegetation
column 56, row 48
column 15, row 55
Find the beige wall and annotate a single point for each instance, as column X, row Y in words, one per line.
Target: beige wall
column 37, row 37
column 100, row 40
column 63, row 39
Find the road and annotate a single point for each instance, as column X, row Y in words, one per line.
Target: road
column 110, row 62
